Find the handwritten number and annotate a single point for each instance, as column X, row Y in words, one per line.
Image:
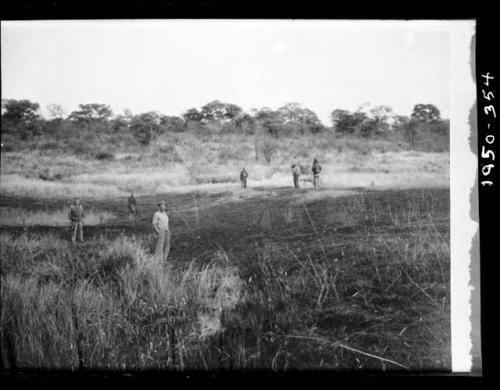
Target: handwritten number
column 487, row 154
column 490, row 108
column 487, row 95
column 488, row 78
column 487, row 169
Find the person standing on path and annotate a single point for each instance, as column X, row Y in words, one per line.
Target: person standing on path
column 316, row 169
column 296, row 175
column 160, row 226
column 132, row 205
column 243, row 178
column 76, row 216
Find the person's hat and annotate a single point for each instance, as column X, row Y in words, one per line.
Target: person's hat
column 162, row 202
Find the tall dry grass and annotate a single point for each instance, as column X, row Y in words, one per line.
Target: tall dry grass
column 184, row 160
column 23, row 217
column 359, row 282
column 115, row 306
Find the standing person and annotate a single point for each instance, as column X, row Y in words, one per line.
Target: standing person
column 160, row 225
column 76, row 216
column 296, row 175
column 132, row 205
column 243, row 178
column 316, row 169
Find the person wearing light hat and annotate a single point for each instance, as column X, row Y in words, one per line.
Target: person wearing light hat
column 160, row 225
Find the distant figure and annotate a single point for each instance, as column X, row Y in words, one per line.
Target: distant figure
column 132, row 205
column 76, row 216
column 160, row 225
column 296, row 175
column 243, row 178
column 316, row 169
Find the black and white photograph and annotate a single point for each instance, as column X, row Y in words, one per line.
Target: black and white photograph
column 237, row 195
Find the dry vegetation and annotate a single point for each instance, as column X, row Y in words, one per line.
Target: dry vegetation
column 186, row 161
column 278, row 280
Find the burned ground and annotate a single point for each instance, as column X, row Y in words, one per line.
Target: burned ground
column 357, row 281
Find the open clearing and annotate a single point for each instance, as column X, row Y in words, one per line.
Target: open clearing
column 270, row 278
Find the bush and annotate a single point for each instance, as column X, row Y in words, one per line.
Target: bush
column 266, row 148
column 169, row 153
column 360, row 146
column 107, row 156
column 50, row 146
column 48, row 175
column 229, row 153
column 7, row 148
column 81, row 148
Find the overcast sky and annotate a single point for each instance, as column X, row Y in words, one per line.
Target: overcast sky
column 170, row 66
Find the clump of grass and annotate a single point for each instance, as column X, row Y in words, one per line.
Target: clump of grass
column 23, row 217
column 119, row 307
column 104, row 156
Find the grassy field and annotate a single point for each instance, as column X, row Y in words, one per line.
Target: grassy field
column 270, row 278
column 184, row 162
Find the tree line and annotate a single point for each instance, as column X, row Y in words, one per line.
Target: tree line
column 24, row 119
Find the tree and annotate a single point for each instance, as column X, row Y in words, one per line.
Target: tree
column 266, row 147
column 145, row 127
column 300, row 118
column 409, row 127
column 368, row 127
column 192, row 115
column 21, row 117
column 270, row 120
column 245, row 122
column 55, row 111
column 20, row 111
column 427, row 113
column 441, row 127
column 381, row 115
column 346, row 122
column 172, row 123
column 91, row 113
column 218, row 111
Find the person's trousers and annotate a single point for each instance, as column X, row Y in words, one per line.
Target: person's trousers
column 296, row 181
column 316, row 182
column 163, row 244
column 77, row 230
column 244, row 184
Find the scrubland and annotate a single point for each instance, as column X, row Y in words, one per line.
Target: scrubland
column 186, row 162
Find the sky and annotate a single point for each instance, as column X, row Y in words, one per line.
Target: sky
column 173, row 65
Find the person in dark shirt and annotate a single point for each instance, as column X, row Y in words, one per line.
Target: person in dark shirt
column 316, row 169
column 76, row 216
column 132, row 205
column 243, row 178
column 296, row 175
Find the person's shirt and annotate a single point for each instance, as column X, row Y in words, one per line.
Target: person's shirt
column 243, row 175
column 131, row 201
column 160, row 220
column 76, row 213
column 316, row 168
column 296, row 171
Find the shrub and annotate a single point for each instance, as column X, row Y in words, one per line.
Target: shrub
column 169, row 153
column 48, row 174
column 266, row 148
column 81, row 148
column 228, row 153
column 50, row 146
column 7, row 148
column 359, row 146
column 108, row 156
